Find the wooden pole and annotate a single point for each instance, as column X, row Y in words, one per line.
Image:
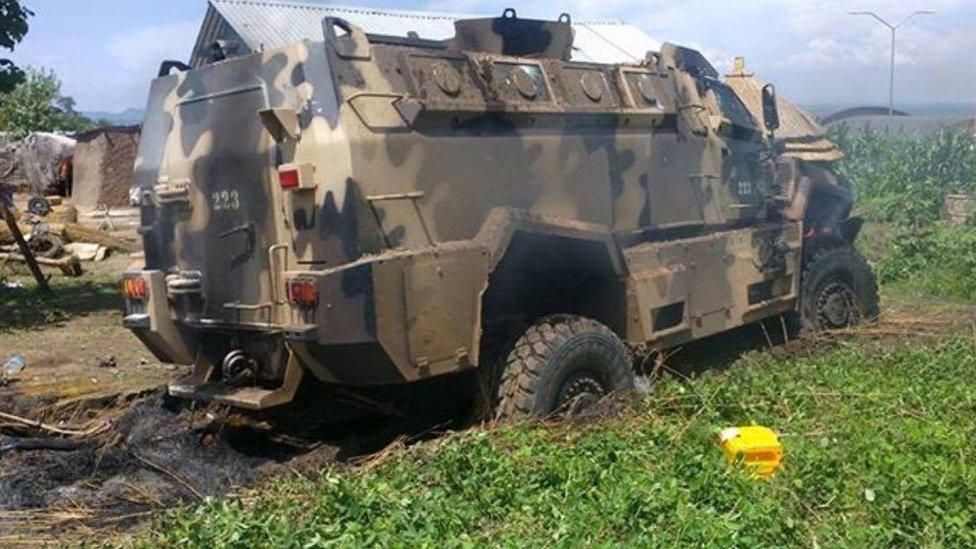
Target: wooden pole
column 24, row 248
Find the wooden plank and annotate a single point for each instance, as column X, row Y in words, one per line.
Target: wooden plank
column 6, row 237
column 69, row 264
column 75, row 232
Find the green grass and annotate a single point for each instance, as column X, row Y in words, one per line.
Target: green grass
column 879, row 445
column 879, row 436
column 28, row 308
column 932, row 261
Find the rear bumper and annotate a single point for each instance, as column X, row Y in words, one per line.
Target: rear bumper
column 200, row 387
column 170, row 334
column 150, row 321
column 383, row 320
column 137, row 322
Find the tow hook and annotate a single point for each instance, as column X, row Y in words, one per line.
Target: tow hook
column 238, row 364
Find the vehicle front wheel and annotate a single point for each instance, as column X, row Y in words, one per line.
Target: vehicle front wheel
column 562, row 364
column 838, row 290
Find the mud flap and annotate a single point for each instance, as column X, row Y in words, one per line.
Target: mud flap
column 850, row 228
column 199, row 387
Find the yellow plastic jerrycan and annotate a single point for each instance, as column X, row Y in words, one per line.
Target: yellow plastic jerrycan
column 759, row 447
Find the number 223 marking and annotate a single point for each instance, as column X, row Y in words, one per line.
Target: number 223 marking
column 225, row 200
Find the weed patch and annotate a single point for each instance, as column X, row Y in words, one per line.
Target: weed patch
column 933, row 261
column 878, row 440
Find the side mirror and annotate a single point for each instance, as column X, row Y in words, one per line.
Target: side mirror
column 769, row 107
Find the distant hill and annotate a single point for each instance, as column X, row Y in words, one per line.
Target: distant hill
column 127, row 117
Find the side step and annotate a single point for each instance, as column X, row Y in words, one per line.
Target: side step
column 199, row 387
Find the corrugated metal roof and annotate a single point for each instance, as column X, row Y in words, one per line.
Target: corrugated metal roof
column 270, row 23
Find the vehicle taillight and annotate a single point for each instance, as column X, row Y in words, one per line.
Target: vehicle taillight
column 302, row 292
column 134, row 288
column 289, row 179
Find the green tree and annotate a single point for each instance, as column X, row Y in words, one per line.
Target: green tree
column 13, row 28
column 36, row 105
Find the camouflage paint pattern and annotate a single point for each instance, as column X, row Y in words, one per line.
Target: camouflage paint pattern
column 421, row 163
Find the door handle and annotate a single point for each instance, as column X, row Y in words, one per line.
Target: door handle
column 250, row 242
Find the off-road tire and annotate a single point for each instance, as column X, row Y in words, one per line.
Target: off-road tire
column 47, row 246
column 561, row 362
column 838, row 290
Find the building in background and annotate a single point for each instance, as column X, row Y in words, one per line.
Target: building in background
column 103, row 163
column 877, row 119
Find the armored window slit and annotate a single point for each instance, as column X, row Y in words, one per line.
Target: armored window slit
column 668, row 316
column 768, row 290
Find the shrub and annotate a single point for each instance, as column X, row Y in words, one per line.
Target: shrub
column 936, row 260
column 36, row 105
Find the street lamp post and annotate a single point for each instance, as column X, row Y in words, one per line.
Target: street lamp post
column 894, row 31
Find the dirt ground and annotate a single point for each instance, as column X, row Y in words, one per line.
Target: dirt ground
column 73, row 342
column 147, row 452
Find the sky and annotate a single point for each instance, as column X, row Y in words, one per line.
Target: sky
column 106, row 51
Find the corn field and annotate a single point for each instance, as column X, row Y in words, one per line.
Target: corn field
column 902, row 178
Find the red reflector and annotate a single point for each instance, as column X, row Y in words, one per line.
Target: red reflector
column 303, row 293
column 134, row 288
column 289, row 179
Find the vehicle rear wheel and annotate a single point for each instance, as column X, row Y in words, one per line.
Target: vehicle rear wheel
column 562, row 364
column 838, row 290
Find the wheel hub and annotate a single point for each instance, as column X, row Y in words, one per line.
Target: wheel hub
column 836, row 306
column 579, row 392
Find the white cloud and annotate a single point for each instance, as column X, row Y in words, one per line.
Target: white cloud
column 846, row 60
column 141, row 50
column 816, row 49
column 812, row 49
column 825, row 52
column 136, row 55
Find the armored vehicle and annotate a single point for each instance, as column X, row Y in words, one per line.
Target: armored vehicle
column 376, row 211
